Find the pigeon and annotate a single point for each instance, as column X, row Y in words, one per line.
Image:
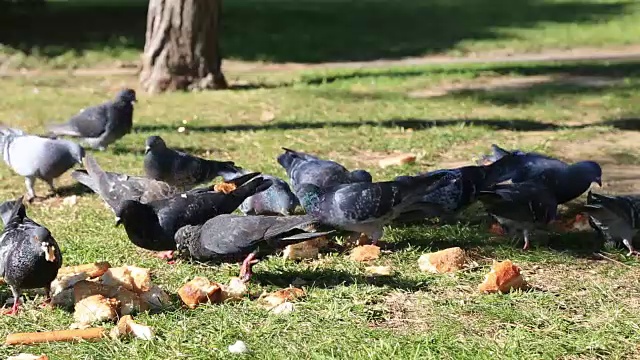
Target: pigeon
column 36, row 157
column 29, row 255
column 520, row 207
column 114, row 188
column 566, row 181
column 152, row 226
column 305, row 168
column 366, row 207
column 101, row 125
column 235, row 237
column 464, row 185
column 278, row 199
column 616, row 217
column 180, row 169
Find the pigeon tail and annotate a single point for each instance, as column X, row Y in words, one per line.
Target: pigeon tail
column 7, row 135
column 6, row 211
column 251, row 188
column 83, row 177
column 226, row 169
column 63, row 129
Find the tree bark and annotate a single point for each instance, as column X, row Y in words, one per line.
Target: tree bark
column 182, row 50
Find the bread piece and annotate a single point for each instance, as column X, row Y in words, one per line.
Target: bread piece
column 281, row 296
column 200, row 290
column 92, row 270
column 309, row 249
column 503, row 277
column 443, row 261
column 365, row 253
column 224, row 187
column 133, row 278
column 95, row 308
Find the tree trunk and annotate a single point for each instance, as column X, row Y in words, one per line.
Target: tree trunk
column 182, row 49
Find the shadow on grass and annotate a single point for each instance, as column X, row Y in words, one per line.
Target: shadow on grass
column 297, row 31
column 330, row 278
column 416, row 124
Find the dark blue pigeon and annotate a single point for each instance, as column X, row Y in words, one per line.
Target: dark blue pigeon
column 103, row 124
column 152, row 226
column 181, row 169
column 114, row 188
column 520, row 207
column 304, row 168
column 615, row 217
column 29, row 255
column 278, row 199
column 566, row 181
column 366, row 207
column 464, row 184
column 235, row 237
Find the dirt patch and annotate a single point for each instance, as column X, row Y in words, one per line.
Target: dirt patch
column 618, row 153
column 404, row 312
column 511, row 84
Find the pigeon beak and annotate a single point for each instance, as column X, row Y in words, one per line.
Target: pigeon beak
column 118, row 221
column 599, row 181
column 49, row 252
column 147, row 149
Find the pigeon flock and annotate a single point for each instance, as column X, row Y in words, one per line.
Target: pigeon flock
column 166, row 211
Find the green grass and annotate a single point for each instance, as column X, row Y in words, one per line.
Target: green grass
column 579, row 307
column 81, row 33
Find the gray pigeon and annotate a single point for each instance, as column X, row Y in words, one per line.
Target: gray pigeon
column 181, row 169
column 29, row 255
column 278, row 199
column 567, row 182
column 36, row 157
column 153, row 225
column 367, row 207
column 617, row 217
column 103, row 124
column 520, row 207
column 303, row 168
column 114, row 188
column 235, row 237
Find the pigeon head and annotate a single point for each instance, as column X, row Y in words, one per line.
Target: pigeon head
column 185, row 236
column 131, row 211
column 127, row 96
column 41, row 237
column 154, row 143
column 587, row 171
column 76, row 151
column 361, row 176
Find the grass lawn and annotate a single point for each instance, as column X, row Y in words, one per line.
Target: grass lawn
column 81, row 33
column 580, row 307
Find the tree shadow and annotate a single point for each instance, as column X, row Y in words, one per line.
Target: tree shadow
column 416, row 124
column 294, row 31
